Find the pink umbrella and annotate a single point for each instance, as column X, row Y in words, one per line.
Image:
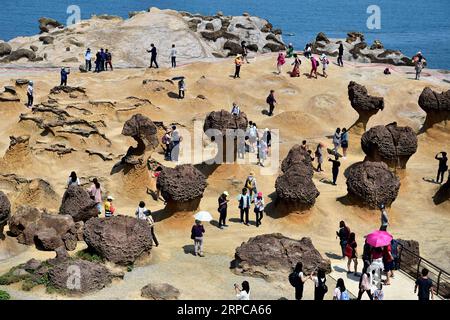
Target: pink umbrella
column 379, row 238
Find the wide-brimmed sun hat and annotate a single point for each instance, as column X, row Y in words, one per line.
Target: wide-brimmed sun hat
column 110, row 198
column 226, row 193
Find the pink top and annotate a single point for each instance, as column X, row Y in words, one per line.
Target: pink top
column 281, row 59
column 97, row 193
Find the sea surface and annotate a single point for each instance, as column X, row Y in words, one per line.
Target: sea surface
column 409, row 26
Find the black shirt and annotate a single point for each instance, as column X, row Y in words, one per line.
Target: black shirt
column 442, row 163
column 341, row 50
column 222, row 203
column 336, row 164
column 153, row 52
column 424, row 288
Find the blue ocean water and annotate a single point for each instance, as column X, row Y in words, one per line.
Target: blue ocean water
column 409, row 26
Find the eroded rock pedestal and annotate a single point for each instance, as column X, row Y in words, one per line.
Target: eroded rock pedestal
column 77, row 203
column 181, row 187
column 436, row 105
column 5, row 213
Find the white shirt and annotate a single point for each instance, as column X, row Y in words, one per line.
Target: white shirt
column 337, row 294
column 71, row 183
column 140, row 213
column 30, row 90
column 243, row 295
column 175, row 135
column 316, row 281
column 173, row 52
column 88, row 56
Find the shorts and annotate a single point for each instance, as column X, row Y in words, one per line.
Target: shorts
column 344, row 144
column 388, row 266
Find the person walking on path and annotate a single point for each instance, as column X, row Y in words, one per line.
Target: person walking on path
column 95, row 192
column 153, row 54
column 308, row 49
column 319, row 157
column 384, row 218
column 142, row 213
column 320, row 287
column 167, row 141
column 259, row 208
column 237, row 65
column 173, row 56
column 351, row 253
column 425, row 286
column 73, row 179
column 244, row 51
column 109, row 208
column 176, row 138
column 244, row 292
column 324, row 60
column 251, row 186
column 340, row 55
column 181, row 88
column 443, row 167
column 30, row 94
column 298, row 279
column 419, row 61
column 280, row 62
column 64, row 75
column 343, row 233
column 262, row 152
column 335, row 168
column 314, row 66
column 197, row 232
column 223, row 206
column 290, row 51
column 88, row 59
column 340, row 292
column 244, row 205
column 108, row 61
column 270, row 100
column 364, row 285
column 296, row 70
column 344, row 142
column 388, row 262
column 337, row 140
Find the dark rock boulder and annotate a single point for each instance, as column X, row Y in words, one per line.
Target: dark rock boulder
column 5, row 49
column 67, row 89
column 119, row 239
column 182, row 187
column 160, row 291
column 78, row 276
column 214, row 35
column 77, row 203
column 363, row 103
column 322, row 37
column 376, row 45
column 19, row 54
column 144, row 131
column 233, row 47
column 46, row 39
column 272, row 256
column 354, row 36
column 224, row 120
column 371, row 183
column 391, row 144
column 274, row 47
column 298, row 156
column 5, row 212
column 436, row 105
column 47, row 24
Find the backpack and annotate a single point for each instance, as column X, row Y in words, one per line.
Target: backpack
column 248, row 184
column 294, row 279
column 344, row 295
column 268, row 100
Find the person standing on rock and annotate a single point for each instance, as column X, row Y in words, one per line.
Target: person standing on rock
column 73, row 179
column 88, row 59
column 344, row 142
column 335, row 168
column 343, row 234
column 30, row 94
column 244, row 205
column 237, row 65
column 319, row 156
column 296, row 70
column 95, row 192
column 64, row 76
column 314, row 66
column 297, row 279
column 175, row 143
column 337, row 140
column 197, row 232
column 250, row 184
column 443, row 167
column 259, row 208
column 181, row 88
column 173, row 56
column 223, row 206
column 153, row 54
column 384, row 218
column 270, row 100
column 325, row 62
column 280, row 62
column 244, row 51
column 109, row 208
column 340, row 61
column 108, row 57
column 235, row 110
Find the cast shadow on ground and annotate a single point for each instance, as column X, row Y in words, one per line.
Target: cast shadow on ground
column 189, row 249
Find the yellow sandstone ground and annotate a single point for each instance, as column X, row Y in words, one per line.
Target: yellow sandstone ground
column 307, row 109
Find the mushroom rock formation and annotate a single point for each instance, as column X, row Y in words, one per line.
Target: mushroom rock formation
column 363, row 103
column 181, row 187
column 371, row 183
column 9, row 95
column 160, row 291
column 77, row 203
column 119, row 239
column 391, row 144
column 5, row 213
column 297, row 155
column 272, row 256
column 47, row 24
column 295, row 190
column 47, row 231
column 436, row 105
column 144, row 131
column 222, row 125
